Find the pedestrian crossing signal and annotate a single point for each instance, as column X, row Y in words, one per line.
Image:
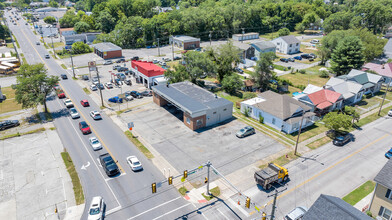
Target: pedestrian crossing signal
column 154, row 187
column 206, row 180
column 247, row 204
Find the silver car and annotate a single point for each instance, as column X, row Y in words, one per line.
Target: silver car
column 248, row 130
column 93, row 87
column 94, row 143
column 74, row 113
column 296, row 213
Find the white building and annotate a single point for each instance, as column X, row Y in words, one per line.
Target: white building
column 247, row 36
column 287, row 44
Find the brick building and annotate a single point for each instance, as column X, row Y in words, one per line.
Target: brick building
column 107, row 50
column 185, row 42
column 200, row 107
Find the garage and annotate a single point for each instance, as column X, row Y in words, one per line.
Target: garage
column 200, row 107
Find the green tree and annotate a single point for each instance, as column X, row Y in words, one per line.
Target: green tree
column 105, row 22
column 69, row 19
column 338, row 21
column 179, row 74
column 283, row 32
column 263, row 73
column 197, row 65
column 335, row 121
column 81, row 27
column 4, row 32
column 50, row 20
column 347, row 55
column 223, row 58
column 33, row 85
column 53, row 3
column 349, row 110
column 300, row 28
column 232, row 83
column 80, row 48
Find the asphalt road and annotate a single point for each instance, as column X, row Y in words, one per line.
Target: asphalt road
column 127, row 196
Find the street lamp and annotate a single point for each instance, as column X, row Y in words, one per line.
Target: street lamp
column 73, row 69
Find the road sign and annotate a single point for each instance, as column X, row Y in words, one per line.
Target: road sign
column 192, row 172
column 130, row 125
column 68, row 47
column 92, row 66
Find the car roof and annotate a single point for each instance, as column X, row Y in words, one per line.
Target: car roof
column 297, row 212
column 83, row 123
column 133, row 158
column 93, row 138
column 84, row 100
column 96, row 200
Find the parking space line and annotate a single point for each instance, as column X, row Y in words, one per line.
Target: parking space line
column 142, row 213
column 222, row 214
column 113, row 210
column 171, row 211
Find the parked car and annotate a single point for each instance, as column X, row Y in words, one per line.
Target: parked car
column 84, row 103
column 134, row 163
column 128, row 72
column 8, row 124
column 47, row 56
column 117, row 82
column 108, row 164
column 167, row 59
column 314, row 56
column 109, row 85
column 121, row 76
column 128, row 98
column 136, row 94
column 315, row 41
column 239, row 70
column 96, row 115
column 155, row 61
column 296, row 214
column 61, row 94
column 291, row 59
column 306, row 56
column 115, row 99
column 128, row 82
column 93, row 87
column 390, row 113
column 85, row 77
column 107, row 62
column 96, row 208
column 122, row 69
column 95, row 81
column 37, row 43
column 135, row 58
column 64, row 76
column 248, row 130
column 84, row 127
column 146, row 93
column 94, row 143
column 162, row 63
column 122, row 60
column 298, row 57
column 177, row 58
column 74, row 114
column 100, row 86
column 284, row 60
column 68, row 103
column 116, row 66
column 342, row 138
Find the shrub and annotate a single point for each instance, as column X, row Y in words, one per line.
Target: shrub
column 246, row 112
column 302, row 71
column 301, row 87
column 261, row 119
column 324, row 74
column 248, row 95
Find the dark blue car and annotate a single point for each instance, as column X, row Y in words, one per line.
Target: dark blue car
column 298, row 58
column 388, row 154
column 116, row 99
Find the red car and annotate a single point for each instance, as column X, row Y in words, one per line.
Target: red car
column 61, row 95
column 84, row 103
column 83, row 126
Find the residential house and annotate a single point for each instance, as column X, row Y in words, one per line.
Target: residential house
column 262, row 47
column 381, row 202
column 185, row 42
column 310, row 88
column 322, row 101
column 371, row 82
column 385, row 70
column 281, row 112
column 330, row 207
column 246, row 51
column 388, row 49
column 287, row 44
column 352, row 92
column 87, row 38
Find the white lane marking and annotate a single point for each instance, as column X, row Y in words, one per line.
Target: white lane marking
column 154, row 208
column 172, row 211
column 222, row 213
column 113, row 210
column 92, row 159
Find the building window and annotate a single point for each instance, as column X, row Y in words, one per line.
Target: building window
column 214, row 113
column 278, row 43
column 290, row 51
column 199, row 122
column 291, row 45
column 388, row 195
column 385, row 213
column 358, row 95
column 273, row 121
column 188, row 121
column 225, row 109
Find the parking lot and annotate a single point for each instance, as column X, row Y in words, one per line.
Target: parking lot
column 186, row 149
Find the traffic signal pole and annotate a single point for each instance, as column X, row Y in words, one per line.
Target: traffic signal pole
column 208, row 177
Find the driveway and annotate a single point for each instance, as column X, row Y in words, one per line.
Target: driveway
column 186, row 149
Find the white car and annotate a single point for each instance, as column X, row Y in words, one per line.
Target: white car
column 95, row 211
column 390, row 113
column 154, row 61
column 68, row 103
column 134, row 163
column 93, row 87
column 296, row 213
column 94, row 143
column 74, row 113
column 95, row 115
column 129, row 98
column 109, row 85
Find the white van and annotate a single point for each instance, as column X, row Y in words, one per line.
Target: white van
column 315, row 41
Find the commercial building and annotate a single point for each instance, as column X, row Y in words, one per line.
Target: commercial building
column 185, row 42
column 147, row 72
column 107, row 50
column 200, row 107
column 247, row 36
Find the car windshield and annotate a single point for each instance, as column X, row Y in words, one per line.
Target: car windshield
column 136, row 163
column 84, row 125
column 242, row 130
column 94, row 211
column 95, row 141
column 73, row 111
column 340, row 138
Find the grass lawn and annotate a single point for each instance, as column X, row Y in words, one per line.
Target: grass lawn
column 64, row 67
column 382, row 92
column 214, row 193
column 139, row 145
column 17, row 134
column 77, row 186
column 314, row 69
column 10, row 45
column 372, row 117
column 359, row 193
column 231, row 98
column 306, row 49
column 293, row 89
column 303, row 79
column 87, row 91
column 308, row 132
column 10, row 104
column 369, row 102
column 318, row 143
column 58, row 44
column 282, row 160
column 279, row 67
column 182, row 190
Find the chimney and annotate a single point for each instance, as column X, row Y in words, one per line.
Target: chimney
column 383, row 67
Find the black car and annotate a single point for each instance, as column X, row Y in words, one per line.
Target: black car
column 120, row 60
column 239, row 70
column 135, row 58
column 108, row 164
column 8, row 124
column 177, row 58
column 100, row 86
column 314, row 56
column 85, row 77
column 306, row 56
column 122, row 69
column 146, row 93
column 284, row 60
column 291, row 59
column 128, row 82
column 342, row 138
column 135, row 94
column 64, row 76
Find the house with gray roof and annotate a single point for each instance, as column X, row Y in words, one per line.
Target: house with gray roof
column 287, row 44
column 388, row 49
column 263, row 47
column 381, row 202
column 333, row 208
column 87, row 38
column 371, row 82
column 185, row 42
column 200, row 108
column 351, row 91
column 279, row 111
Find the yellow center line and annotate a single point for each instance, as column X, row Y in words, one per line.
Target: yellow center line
column 80, row 112
column 329, row 168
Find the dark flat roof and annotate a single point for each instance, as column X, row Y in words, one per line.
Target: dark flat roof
column 106, row 46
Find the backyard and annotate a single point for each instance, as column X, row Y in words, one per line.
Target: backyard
column 10, row 103
column 305, row 79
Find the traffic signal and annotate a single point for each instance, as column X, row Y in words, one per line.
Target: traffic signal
column 170, row 180
column 154, row 187
column 206, row 180
column 263, row 216
column 55, row 210
column 185, row 174
column 247, row 204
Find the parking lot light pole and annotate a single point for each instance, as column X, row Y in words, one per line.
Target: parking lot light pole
column 99, row 86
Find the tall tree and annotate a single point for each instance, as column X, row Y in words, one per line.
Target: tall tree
column 263, row 72
column 34, row 85
column 179, row 74
column 50, row 20
column 105, row 22
column 81, row 27
column 283, row 32
column 197, row 65
column 335, row 121
column 224, row 57
column 347, row 55
column 231, row 83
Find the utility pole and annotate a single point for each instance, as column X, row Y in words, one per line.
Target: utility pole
column 73, row 69
column 299, row 132
column 159, row 52
column 210, row 35
column 208, row 177
column 274, row 205
column 172, row 47
column 383, row 98
column 243, row 32
column 99, row 86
